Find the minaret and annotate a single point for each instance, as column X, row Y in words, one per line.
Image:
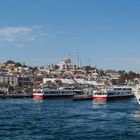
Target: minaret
column 77, row 60
column 89, row 62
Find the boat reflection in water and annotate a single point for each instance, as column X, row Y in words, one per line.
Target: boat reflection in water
column 99, row 104
column 37, row 101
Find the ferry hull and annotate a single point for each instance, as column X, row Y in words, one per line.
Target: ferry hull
column 38, row 96
column 99, row 98
column 52, row 97
column 111, row 97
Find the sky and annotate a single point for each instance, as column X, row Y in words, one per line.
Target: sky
column 105, row 33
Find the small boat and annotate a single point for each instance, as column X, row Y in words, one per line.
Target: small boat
column 118, row 92
column 62, row 92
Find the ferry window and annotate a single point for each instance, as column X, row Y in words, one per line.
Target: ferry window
column 116, row 88
column 110, row 93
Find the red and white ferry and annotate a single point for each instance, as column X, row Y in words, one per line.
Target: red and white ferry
column 113, row 93
column 62, row 92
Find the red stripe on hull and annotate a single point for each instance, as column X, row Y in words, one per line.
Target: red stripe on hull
column 111, row 98
column 100, row 98
column 38, row 96
column 52, row 97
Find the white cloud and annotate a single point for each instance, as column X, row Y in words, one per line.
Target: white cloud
column 19, row 45
column 11, row 31
column 20, row 35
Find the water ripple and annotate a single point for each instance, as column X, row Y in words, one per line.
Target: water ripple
column 28, row 119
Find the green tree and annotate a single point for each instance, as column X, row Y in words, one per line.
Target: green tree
column 17, row 64
column 56, row 67
column 10, row 62
column 4, row 84
column 87, row 68
column 102, row 73
column 122, row 79
column 114, row 81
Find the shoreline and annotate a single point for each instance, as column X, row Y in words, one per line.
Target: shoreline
column 23, row 95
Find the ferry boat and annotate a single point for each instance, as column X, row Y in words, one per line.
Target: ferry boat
column 118, row 92
column 62, row 92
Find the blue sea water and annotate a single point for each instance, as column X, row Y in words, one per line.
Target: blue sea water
column 29, row 119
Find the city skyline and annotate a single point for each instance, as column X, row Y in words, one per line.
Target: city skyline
column 104, row 33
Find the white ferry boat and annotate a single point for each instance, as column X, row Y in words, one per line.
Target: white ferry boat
column 63, row 92
column 113, row 93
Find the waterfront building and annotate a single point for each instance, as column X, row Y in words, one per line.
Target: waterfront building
column 24, row 81
column 113, row 74
column 9, row 79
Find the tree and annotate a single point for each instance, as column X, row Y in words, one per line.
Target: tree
column 10, row 62
column 56, row 67
column 121, row 80
column 4, row 84
column 131, row 75
column 121, row 72
column 87, row 68
column 17, row 64
column 102, row 73
column 114, row 81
